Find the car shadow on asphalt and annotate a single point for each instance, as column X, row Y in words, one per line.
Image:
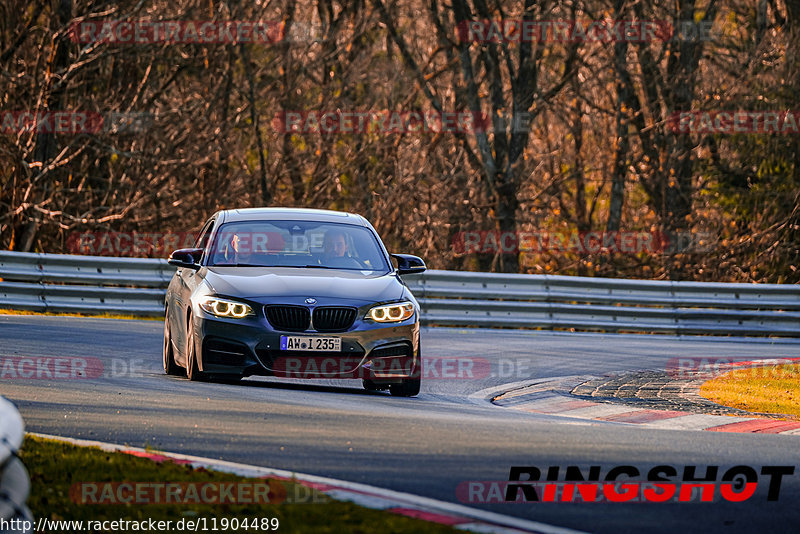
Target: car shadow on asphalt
column 293, row 386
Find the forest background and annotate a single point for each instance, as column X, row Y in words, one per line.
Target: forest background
column 670, row 155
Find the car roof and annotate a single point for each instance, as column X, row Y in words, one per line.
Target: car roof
column 290, row 214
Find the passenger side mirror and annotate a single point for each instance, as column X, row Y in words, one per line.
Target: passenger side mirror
column 408, row 264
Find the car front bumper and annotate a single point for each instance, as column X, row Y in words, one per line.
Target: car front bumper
column 382, row 353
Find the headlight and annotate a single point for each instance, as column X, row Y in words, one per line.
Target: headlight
column 226, row 308
column 391, row 313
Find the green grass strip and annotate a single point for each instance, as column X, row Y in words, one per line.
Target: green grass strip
column 60, row 471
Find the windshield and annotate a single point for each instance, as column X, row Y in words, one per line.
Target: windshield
column 304, row 244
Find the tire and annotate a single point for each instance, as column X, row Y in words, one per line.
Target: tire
column 408, row 388
column 167, row 354
column 193, row 372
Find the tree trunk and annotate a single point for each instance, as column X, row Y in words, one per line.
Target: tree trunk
column 621, row 142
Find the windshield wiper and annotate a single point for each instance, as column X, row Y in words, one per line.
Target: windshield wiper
column 242, row 265
column 310, row 266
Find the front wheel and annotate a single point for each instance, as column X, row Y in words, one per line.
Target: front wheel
column 408, row 388
column 168, row 355
column 192, row 369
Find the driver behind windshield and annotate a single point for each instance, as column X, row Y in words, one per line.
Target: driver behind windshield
column 238, row 248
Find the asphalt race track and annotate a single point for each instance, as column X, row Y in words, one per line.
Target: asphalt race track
column 426, row 445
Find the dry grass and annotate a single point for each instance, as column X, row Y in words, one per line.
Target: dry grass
column 96, row 315
column 769, row 389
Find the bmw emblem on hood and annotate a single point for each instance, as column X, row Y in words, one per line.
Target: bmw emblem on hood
column 311, row 300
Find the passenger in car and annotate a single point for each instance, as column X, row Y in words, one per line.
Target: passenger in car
column 335, row 251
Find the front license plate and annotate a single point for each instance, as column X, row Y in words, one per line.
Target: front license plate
column 314, row 344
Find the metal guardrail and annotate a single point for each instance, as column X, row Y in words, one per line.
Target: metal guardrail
column 14, row 482
column 64, row 283
column 83, row 284
column 607, row 304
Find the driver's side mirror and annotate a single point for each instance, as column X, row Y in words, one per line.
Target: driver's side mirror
column 188, row 258
column 408, row 264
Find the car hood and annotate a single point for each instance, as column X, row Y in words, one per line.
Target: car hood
column 265, row 285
